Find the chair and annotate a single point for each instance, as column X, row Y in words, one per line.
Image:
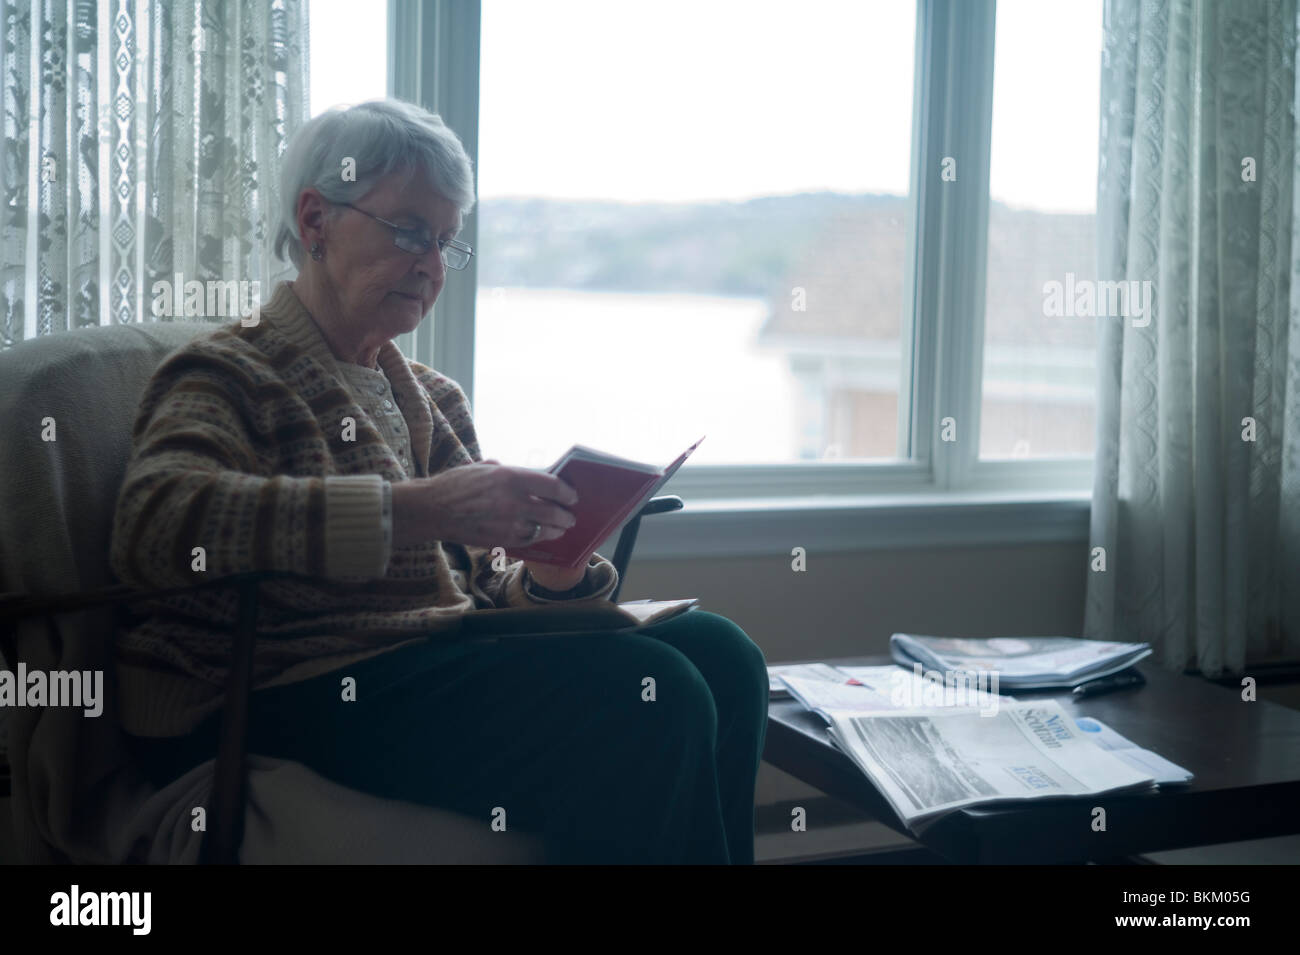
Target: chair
column 81, row 389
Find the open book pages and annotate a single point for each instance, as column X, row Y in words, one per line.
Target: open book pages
column 928, row 763
column 580, row 452
column 1022, row 663
column 646, row 612
column 577, row 616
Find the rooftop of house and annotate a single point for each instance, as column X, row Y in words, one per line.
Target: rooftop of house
column 853, row 278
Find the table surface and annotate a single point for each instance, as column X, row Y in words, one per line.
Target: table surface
column 1245, row 758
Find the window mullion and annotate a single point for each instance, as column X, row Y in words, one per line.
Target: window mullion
column 916, row 373
column 954, row 183
column 433, row 55
column 403, row 83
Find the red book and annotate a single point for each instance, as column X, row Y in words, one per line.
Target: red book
column 611, row 490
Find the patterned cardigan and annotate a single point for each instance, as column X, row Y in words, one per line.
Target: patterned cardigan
column 240, row 448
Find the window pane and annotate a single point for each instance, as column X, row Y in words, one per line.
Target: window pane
column 1039, row 361
column 692, row 221
column 349, row 53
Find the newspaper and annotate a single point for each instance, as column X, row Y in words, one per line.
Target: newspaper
column 931, row 762
column 879, row 688
column 1023, row 663
column 816, row 671
column 1165, row 772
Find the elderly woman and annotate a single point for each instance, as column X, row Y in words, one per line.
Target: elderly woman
column 306, row 442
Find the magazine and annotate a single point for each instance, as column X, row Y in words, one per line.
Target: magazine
column 1022, row 663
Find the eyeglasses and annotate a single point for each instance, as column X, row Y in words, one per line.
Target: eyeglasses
column 454, row 254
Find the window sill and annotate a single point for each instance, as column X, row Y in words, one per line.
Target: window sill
column 755, row 527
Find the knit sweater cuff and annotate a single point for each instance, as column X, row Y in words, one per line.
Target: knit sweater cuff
column 599, row 582
column 355, row 541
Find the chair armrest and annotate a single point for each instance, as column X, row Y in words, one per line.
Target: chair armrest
column 225, row 832
column 662, row 505
column 15, row 606
column 627, row 539
column 18, row 606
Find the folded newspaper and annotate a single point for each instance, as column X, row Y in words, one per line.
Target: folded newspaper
column 1022, row 663
column 928, row 763
column 822, row 688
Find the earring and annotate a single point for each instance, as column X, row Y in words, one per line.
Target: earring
column 316, row 252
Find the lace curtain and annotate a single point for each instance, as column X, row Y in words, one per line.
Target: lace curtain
column 1196, row 501
column 141, row 141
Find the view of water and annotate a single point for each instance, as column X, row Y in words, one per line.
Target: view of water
column 643, row 375
column 635, row 374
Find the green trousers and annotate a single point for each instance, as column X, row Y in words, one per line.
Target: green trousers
column 615, row 748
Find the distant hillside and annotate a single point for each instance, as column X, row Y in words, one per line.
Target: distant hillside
column 722, row 248
column 846, row 251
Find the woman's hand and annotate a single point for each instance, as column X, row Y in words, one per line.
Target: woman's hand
column 486, row 505
column 551, row 577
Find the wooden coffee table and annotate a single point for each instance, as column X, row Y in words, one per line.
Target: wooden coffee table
column 1245, row 757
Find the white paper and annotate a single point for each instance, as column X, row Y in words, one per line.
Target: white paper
column 1143, row 760
column 817, row 671
column 928, row 763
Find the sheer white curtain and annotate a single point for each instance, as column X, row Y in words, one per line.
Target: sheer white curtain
column 1197, row 492
column 141, row 140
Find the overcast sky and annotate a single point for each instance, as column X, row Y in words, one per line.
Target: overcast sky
column 720, row 99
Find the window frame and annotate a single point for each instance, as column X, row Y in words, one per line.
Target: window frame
column 434, row 60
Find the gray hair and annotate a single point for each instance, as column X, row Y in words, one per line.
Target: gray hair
column 379, row 137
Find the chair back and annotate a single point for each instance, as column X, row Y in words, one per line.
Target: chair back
column 67, row 407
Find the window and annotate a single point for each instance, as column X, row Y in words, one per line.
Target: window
column 348, row 53
column 787, row 228
column 702, row 232
column 1039, row 360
